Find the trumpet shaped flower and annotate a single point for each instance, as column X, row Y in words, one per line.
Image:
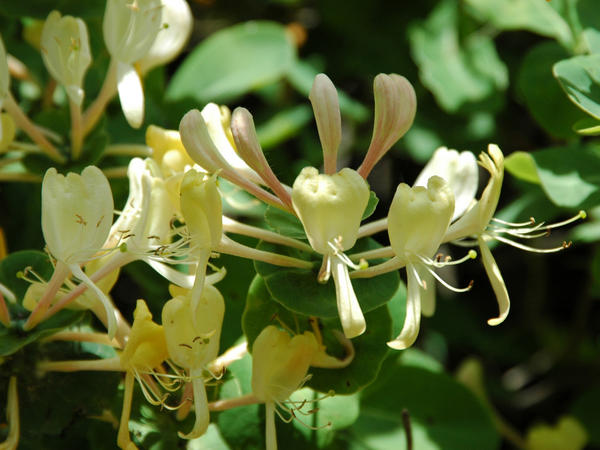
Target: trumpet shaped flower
column 76, row 219
column 130, row 28
column 193, row 333
column 66, row 52
column 330, row 208
column 417, row 222
column 279, row 367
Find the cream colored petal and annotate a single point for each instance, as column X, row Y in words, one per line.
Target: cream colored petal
column 496, row 281
column 131, row 94
column 200, row 406
column 351, row 316
column 412, row 321
column 427, row 295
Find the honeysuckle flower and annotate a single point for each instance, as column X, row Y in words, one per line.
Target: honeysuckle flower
column 130, row 28
column 330, row 208
column 174, row 32
column 479, row 223
column 146, row 349
column 193, row 333
column 66, row 52
column 12, row 416
column 417, row 221
column 279, row 367
column 459, row 170
column 76, row 219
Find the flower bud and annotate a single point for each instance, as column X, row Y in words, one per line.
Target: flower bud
column 146, row 347
column 201, row 208
column 330, row 207
column 77, row 213
column 66, row 52
column 419, row 217
column 280, row 363
column 326, row 107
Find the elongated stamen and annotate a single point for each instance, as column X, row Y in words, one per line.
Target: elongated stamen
column 335, row 248
column 515, row 244
column 530, row 222
column 472, row 254
column 445, row 284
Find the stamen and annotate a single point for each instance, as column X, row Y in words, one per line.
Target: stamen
column 531, row 221
column 472, row 254
column 444, row 283
column 515, row 244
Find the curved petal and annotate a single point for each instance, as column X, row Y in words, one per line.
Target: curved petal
column 496, row 281
column 412, row 321
column 131, row 94
column 351, row 316
column 200, row 406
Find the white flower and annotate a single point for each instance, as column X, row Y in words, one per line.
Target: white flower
column 193, row 334
column 174, row 32
column 66, row 52
column 130, row 28
column 330, row 208
column 417, row 221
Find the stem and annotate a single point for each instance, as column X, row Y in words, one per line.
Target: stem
column 235, row 248
column 128, row 150
column 23, row 122
column 270, row 431
column 233, row 226
column 383, row 252
column 229, row 403
column 108, row 90
column 115, row 172
column 372, row 228
column 61, row 271
column 20, row 177
column 123, row 439
column 76, row 129
column 105, row 365
column 78, row 336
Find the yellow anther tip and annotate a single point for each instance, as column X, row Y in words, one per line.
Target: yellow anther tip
column 472, row 254
column 582, row 214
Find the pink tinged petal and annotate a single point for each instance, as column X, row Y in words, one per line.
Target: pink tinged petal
column 351, row 316
column 496, row 281
column 412, row 321
column 324, row 99
column 246, row 141
column 395, row 109
column 200, row 406
column 131, row 94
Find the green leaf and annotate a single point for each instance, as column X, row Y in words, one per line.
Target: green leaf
column 543, row 97
column 331, row 414
column 299, row 291
column 536, row 16
column 371, row 205
column 236, row 201
column 587, row 127
column 284, row 223
column 232, row 62
column 570, row 176
column 522, row 165
column 301, row 75
column 283, row 125
column 580, row 78
column 458, row 73
column 586, row 410
column 40, row 9
column 443, row 413
column 589, row 17
column 262, row 310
